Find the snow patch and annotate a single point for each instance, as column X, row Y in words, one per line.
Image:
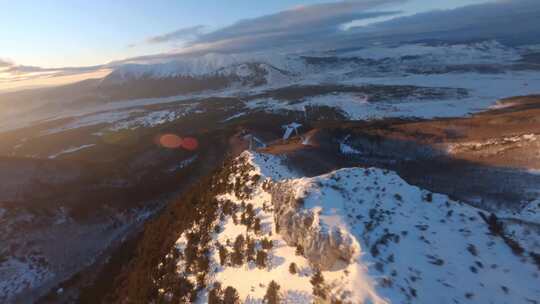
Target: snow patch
column 184, row 163
column 71, row 150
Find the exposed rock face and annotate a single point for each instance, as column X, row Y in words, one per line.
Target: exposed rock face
column 300, row 226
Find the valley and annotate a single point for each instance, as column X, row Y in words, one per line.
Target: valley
column 404, row 174
column 302, row 209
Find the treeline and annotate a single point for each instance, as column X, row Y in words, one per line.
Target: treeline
column 137, row 282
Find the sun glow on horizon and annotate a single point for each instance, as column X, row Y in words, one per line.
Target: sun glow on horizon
column 13, row 82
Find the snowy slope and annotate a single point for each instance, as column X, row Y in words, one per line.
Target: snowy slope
column 423, row 247
column 489, row 51
column 409, row 245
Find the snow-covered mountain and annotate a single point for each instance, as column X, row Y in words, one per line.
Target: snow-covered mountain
column 209, row 65
column 224, row 71
column 198, row 75
column 485, row 52
column 354, row 235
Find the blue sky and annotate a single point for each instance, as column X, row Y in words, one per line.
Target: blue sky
column 61, row 33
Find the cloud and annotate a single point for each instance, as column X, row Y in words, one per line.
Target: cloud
column 14, row 73
column 299, row 28
column 297, row 25
column 510, row 21
column 5, row 63
column 22, row 69
column 186, row 33
column 320, row 27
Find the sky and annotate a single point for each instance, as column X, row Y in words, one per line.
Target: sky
column 42, row 37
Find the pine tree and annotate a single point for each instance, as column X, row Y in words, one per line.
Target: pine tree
column 293, row 269
column 201, row 280
column 317, row 280
column 261, row 259
column 203, row 263
column 178, row 287
column 175, row 253
column 215, row 296
column 223, row 254
column 494, row 225
column 238, row 253
column 250, row 249
column 299, row 250
column 227, row 207
column 257, row 225
column 231, row 296
column 266, row 244
column 272, row 293
column 192, row 248
column 243, row 220
column 250, row 215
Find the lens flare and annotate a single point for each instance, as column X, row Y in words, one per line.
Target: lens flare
column 190, row 143
column 170, row 141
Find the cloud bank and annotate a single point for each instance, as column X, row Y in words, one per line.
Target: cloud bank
column 510, row 21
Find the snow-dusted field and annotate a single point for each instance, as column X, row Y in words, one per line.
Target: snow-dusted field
column 484, row 91
column 485, row 69
column 125, row 119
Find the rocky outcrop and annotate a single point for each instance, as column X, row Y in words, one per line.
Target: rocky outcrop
column 322, row 245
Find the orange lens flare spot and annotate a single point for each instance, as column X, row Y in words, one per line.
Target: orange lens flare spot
column 190, row 143
column 170, row 141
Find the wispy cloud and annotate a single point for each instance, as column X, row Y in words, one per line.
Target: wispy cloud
column 186, row 33
column 12, row 72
